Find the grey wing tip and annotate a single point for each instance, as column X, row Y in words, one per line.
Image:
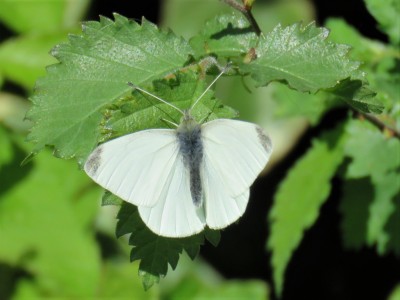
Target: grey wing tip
column 264, row 139
column 93, row 162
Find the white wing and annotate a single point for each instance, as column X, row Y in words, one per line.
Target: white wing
column 136, row 167
column 146, row 169
column 175, row 215
column 235, row 152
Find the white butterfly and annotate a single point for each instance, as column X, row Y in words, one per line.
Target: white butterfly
column 186, row 178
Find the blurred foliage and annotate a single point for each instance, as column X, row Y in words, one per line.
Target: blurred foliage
column 51, row 231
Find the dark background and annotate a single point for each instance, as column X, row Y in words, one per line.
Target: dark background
column 320, row 268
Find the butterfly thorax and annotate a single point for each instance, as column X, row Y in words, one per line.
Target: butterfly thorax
column 191, row 150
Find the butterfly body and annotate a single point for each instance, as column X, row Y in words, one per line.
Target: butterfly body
column 191, row 149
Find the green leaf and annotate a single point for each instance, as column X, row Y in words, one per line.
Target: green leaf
column 357, row 95
column 110, row 199
column 40, row 229
column 296, row 205
column 376, row 156
column 302, row 57
column 226, row 35
column 138, row 111
column 395, row 294
column 23, row 59
column 154, row 252
column 372, row 153
column 291, row 103
column 387, row 187
column 41, row 16
column 387, row 14
column 93, row 72
column 192, row 288
column 213, row 236
column 354, row 206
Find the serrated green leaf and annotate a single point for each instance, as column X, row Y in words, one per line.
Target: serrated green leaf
column 226, row 35
column 372, row 153
column 360, row 97
column 296, row 205
column 387, row 14
column 213, row 236
column 354, row 207
column 24, row 59
column 376, row 156
column 387, row 187
column 154, row 252
column 93, row 72
column 302, row 57
column 138, row 111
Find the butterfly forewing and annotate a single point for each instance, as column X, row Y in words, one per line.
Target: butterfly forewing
column 136, row 167
column 238, row 150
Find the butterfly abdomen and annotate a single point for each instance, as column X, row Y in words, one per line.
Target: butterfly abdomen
column 191, row 149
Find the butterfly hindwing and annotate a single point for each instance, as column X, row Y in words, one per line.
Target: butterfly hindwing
column 175, row 215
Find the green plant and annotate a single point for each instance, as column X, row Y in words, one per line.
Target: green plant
column 84, row 100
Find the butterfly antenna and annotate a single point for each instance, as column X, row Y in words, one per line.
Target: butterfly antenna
column 211, row 84
column 154, row 96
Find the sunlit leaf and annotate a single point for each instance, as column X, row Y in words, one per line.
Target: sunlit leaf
column 93, row 72
column 297, row 202
column 303, row 57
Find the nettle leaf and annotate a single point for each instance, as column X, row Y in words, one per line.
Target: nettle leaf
column 296, row 205
column 302, row 57
column 372, row 153
column 357, row 95
column 93, row 72
column 138, row 111
column 156, row 252
column 376, row 156
column 226, row 35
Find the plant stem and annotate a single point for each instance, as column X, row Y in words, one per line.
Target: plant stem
column 247, row 13
column 378, row 123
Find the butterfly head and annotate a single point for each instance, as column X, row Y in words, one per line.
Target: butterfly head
column 188, row 123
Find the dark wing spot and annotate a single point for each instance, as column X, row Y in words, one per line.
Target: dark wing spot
column 94, row 161
column 264, row 139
